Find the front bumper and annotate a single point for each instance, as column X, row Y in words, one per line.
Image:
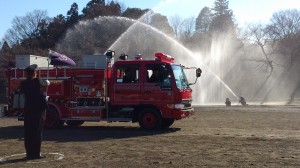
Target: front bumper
column 183, row 113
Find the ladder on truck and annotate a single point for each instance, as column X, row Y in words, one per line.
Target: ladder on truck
column 59, row 73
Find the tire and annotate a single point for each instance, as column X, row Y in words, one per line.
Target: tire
column 166, row 123
column 150, row 119
column 53, row 118
column 74, row 123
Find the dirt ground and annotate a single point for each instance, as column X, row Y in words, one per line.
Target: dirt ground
column 217, row 136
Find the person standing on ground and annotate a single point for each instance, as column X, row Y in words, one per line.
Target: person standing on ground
column 228, row 102
column 243, row 101
column 34, row 111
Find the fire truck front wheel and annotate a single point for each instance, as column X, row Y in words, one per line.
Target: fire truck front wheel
column 166, row 123
column 53, row 118
column 150, row 119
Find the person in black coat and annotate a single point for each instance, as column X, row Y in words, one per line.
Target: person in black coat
column 243, row 101
column 34, row 112
column 228, row 102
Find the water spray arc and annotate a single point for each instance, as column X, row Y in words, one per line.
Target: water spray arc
column 143, row 17
column 133, row 37
column 173, row 41
column 224, row 59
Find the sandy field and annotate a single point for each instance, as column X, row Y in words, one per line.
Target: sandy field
column 217, row 136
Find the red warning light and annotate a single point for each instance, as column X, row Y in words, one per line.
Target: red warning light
column 164, row 57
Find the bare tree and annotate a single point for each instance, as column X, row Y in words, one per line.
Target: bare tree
column 24, row 27
column 176, row 23
column 188, row 28
column 285, row 31
column 280, row 39
column 285, row 24
column 258, row 35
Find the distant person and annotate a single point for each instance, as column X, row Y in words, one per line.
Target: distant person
column 34, row 112
column 243, row 101
column 228, row 102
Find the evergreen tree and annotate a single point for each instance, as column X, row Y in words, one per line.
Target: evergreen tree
column 90, row 5
column 134, row 13
column 5, row 47
column 6, row 58
column 56, row 30
column 161, row 23
column 93, row 9
column 221, row 8
column 72, row 15
column 113, row 9
column 203, row 20
column 222, row 18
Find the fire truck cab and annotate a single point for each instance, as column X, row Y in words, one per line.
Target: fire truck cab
column 153, row 93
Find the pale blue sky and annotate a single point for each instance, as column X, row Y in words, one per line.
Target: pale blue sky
column 245, row 11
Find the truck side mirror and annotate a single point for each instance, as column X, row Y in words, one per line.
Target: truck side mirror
column 198, row 72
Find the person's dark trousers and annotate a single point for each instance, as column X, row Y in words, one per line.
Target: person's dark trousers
column 33, row 127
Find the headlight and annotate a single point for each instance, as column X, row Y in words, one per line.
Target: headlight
column 178, row 106
column 175, row 106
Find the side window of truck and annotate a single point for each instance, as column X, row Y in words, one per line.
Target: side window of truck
column 158, row 73
column 153, row 73
column 127, row 74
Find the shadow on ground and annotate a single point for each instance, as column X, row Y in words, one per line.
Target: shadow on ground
column 83, row 133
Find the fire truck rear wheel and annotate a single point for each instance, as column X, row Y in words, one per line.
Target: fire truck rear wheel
column 74, row 123
column 53, row 118
column 150, row 119
column 166, row 123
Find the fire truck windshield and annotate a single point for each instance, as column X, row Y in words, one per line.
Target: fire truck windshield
column 180, row 78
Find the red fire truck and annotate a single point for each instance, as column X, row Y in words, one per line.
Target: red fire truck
column 126, row 91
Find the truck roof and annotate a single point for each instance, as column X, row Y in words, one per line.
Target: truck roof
column 159, row 57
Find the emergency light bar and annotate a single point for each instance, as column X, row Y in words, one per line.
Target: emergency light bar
column 164, row 57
